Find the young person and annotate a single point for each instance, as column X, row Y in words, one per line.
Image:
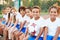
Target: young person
column 57, row 36
column 2, row 22
column 20, row 23
column 8, row 9
column 13, row 22
column 29, row 16
column 52, row 23
column 35, row 28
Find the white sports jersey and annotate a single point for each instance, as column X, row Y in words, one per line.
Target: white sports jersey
column 35, row 25
column 18, row 17
column 27, row 19
column 11, row 14
column 5, row 16
column 52, row 26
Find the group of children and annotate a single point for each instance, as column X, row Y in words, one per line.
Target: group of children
column 28, row 24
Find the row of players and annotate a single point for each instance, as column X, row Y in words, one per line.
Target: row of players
column 27, row 24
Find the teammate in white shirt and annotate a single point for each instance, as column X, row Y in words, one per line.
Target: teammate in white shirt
column 27, row 18
column 35, row 28
column 8, row 9
column 12, row 23
column 52, row 23
column 5, row 14
column 57, row 36
column 2, row 22
column 21, row 22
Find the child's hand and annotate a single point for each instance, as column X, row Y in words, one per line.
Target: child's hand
column 8, row 27
column 54, row 39
column 24, row 39
column 36, row 39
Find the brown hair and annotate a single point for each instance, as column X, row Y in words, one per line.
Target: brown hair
column 53, row 7
column 3, row 10
column 22, row 8
column 59, row 10
column 37, row 7
column 9, row 15
column 13, row 9
column 29, row 8
column 14, row 18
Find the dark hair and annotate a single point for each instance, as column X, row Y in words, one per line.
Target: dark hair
column 22, row 8
column 14, row 19
column 37, row 7
column 29, row 8
column 58, row 10
column 8, row 15
column 53, row 7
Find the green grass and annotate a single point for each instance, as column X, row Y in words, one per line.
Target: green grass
column 1, row 16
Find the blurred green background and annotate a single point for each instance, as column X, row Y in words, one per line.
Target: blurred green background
column 44, row 4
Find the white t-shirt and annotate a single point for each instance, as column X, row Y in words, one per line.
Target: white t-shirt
column 18, row 17
column 35, row 25
column 5, row 16
column 11, row 14
column 52, row 26
column 27, row 19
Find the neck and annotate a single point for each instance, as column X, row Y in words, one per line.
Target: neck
column 53, row 19
column 36, row 18
column 31, row 17
column 23, row 15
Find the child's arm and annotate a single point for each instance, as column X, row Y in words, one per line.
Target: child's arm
column 57, row 33
column 40, row 33
column 26, row 35
column 22, row 25
column 45, row 33
column 15, row 23
column 26, row 31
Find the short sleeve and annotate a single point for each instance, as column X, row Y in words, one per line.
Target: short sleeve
column 44, row 23
column 59, row 24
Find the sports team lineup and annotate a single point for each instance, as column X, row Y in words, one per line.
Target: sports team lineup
column 26, row 23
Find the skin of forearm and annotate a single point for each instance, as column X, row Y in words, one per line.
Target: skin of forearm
column 15, row 23
column 26, row 32
column 22, row 25
column 40, row 33
column 45, row 33
column 57, row 34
